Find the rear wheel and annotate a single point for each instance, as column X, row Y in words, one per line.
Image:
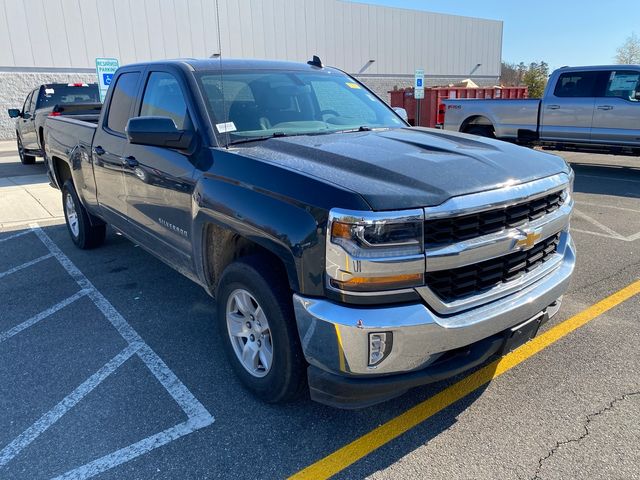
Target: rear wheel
column 24, row 158
column 481, row 131
column 258, row 329
column 83, row 233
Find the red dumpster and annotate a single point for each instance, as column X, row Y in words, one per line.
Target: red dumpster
column 432, row 109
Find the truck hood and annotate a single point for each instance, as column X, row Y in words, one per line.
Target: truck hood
column 408, row 167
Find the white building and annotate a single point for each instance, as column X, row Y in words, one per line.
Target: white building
column 48, row 40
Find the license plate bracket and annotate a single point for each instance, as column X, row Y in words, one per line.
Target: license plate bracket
column 520, row 334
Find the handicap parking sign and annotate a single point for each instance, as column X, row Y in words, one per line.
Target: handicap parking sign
column 105, row 68
column 418, row 82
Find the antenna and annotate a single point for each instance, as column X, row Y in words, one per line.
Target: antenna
column 224, row 106
column 315, row 62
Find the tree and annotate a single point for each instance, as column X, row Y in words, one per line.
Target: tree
column 533, row 76
column 536, row 78
column 629, row 52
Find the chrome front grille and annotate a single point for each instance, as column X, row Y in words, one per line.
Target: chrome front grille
column 455, row 229
column 457, row 283
column 485, row 246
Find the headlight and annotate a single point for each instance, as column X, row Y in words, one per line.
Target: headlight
column 375, row 251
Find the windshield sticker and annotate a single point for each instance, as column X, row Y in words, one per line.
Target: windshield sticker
column 49, row 91
column 226, row 127
column 353, row 85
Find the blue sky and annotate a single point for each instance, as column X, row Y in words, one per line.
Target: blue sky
column 574, row 32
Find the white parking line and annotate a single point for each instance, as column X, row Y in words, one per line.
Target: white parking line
column 15, row 235
column 67, row 403
column 143, row 446
column 42, row 315
column 602, row 205
column 25, row 265
column 198, row 416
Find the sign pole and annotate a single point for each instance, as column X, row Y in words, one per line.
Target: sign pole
column 418, row 93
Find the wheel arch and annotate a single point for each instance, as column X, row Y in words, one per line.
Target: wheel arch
column 476, row 120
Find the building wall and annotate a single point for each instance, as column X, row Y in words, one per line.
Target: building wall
column 60, row 39
column 71, row 33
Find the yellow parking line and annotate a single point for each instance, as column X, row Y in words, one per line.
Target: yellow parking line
column 361, row 447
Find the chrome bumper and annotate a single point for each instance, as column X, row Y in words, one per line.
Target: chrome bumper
column 335, row 336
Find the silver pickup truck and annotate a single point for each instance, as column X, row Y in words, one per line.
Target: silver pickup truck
column 581, row 107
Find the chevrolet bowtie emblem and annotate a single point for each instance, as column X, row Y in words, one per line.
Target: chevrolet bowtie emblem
column 529, row 241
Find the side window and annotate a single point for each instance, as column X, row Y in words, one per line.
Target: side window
column 34, row 101
column 624, row 84
column 576, row 84
column 27, row 103
column 163, row 98
column 124, row 96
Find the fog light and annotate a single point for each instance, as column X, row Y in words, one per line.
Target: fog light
column 380, row 344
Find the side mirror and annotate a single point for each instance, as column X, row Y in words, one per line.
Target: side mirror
column 402, row 113
column 14, row 112
column 637, row 95
column 157, row 132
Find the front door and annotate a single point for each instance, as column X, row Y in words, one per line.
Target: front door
column 28, row 123
column 616, row 120
column 567, row 112
column 108, row 149
column 159, row 181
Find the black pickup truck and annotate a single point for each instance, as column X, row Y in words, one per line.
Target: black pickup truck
column 346, row 250
column 55, row 99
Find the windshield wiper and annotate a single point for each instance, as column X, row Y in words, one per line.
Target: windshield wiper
column 361, row 128
column 256, row 139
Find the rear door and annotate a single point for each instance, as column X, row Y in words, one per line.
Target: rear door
column 27, row 123
column 567, row 112
column 616, row 120
column 159, row 181
column 108, row 147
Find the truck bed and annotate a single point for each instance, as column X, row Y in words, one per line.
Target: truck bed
column 507, row 116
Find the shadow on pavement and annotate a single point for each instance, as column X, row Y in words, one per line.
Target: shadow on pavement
column 614, row 180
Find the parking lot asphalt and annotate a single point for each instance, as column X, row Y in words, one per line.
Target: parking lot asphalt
column 110, row 365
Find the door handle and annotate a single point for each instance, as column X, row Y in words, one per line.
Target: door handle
column 605, row 107
column 99, row 150
column 553, row 107
column 130, row 162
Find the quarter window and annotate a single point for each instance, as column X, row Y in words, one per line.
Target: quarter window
column 122, row 99
column 576, row 84
column 624, row 84
column 163, row 98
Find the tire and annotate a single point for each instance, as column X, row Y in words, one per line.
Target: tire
column 481, row 131
column 24, row 158
column 255, row 280
column 84, row 234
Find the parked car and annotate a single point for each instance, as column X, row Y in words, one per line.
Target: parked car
column 581, row 107
column 76, row 99
column 345, row 249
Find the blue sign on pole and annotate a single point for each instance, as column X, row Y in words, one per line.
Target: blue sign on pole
column 105, row 68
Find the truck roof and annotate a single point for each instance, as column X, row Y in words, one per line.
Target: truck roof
column 208, row 64
column 598, row 67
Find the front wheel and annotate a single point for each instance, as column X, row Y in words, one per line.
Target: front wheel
column 24, row 158
column 258, row 329
column 83, row 233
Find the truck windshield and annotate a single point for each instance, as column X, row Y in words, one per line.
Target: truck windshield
column 248, row 105
column 58, row 94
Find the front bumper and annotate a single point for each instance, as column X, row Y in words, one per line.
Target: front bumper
column 335, row 337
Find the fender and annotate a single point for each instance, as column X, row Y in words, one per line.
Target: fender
column 279, row 209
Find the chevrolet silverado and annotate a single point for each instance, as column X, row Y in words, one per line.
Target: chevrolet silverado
column 346, row 251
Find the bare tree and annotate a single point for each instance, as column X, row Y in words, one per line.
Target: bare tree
column 629, row 52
